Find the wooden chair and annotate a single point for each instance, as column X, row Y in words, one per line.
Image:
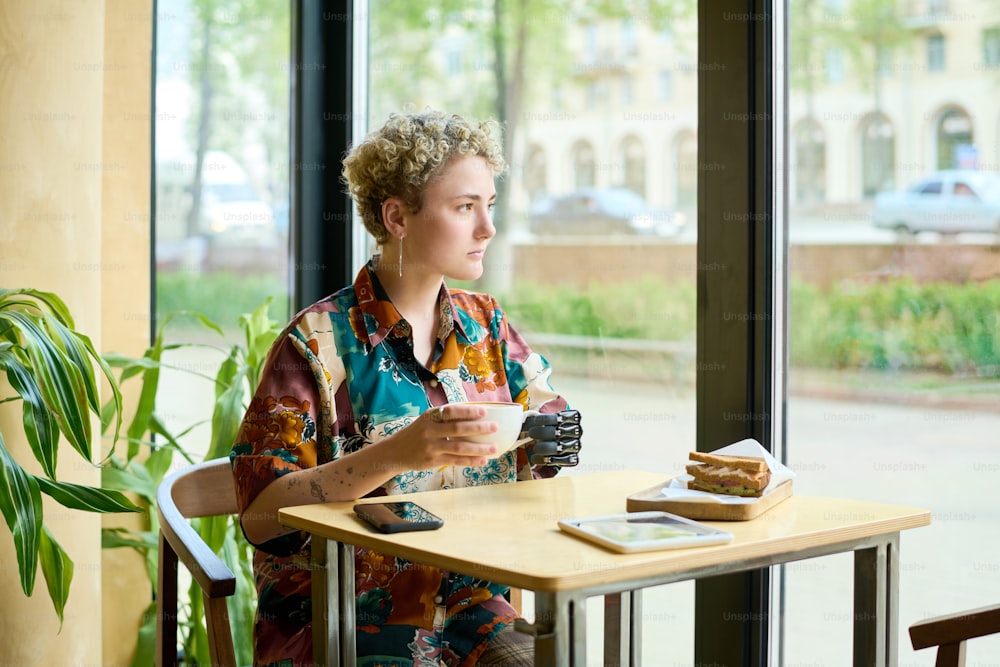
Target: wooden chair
column 204, row 489
column 949, row 633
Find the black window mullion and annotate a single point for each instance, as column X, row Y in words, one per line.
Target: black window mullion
column 322, row 107
column 737, row 293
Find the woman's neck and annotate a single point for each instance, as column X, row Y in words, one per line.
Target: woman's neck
column 414, row 295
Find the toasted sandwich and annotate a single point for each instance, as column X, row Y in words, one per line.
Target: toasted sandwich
column 733, row 475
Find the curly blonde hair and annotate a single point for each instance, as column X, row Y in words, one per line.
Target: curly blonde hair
column 408, row 152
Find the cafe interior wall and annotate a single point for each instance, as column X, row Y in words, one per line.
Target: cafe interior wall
column 75, row 82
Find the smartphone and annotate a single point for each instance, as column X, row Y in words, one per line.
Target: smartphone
column 397, row 517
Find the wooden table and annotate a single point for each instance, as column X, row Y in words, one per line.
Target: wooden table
column 531, row 552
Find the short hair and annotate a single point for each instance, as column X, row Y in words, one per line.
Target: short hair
column 405, row 154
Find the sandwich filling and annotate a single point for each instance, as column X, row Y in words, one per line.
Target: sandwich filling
column 729, row 477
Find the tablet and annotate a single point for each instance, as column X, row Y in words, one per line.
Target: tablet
column 644, row 531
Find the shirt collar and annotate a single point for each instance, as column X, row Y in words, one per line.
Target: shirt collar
column 381, row 317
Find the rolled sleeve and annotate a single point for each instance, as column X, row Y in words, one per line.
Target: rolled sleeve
column 290, row 423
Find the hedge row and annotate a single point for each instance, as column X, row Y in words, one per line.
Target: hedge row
column 896, row 324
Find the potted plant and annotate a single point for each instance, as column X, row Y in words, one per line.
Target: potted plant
column 152, row 445
column 50, row 366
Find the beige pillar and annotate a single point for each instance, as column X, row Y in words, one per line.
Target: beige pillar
column 125, row 278
column 73, row 190
column 51, row 56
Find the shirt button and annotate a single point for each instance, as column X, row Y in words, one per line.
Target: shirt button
column 438, row 599
column 433, row 383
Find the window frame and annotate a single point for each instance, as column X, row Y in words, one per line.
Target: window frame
column 741, row 289
column 741, row 285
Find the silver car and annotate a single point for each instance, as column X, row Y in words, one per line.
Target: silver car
column 947, row 202
column 602, row 211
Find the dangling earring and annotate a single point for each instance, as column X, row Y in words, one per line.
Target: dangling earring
column 400, row 256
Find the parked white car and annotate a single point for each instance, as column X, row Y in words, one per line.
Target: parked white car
column 947, row 202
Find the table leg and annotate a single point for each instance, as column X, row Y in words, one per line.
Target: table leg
column 555, row 624
column 577, row 607
column 347, row 604
column 333, row 592
column 323, row 575
column 876, row 599
column 623, row 628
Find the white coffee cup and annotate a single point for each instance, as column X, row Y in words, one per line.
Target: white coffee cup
column 508, row 418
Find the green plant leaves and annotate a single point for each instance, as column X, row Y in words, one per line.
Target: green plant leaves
column 21, row 504
column 234, row 380
column 50, row 367
column 40, row 426
column 60, row 382
column 58, row 571
column 86, row 498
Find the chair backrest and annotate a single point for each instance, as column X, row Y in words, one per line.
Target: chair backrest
column 949, row 633
column 204, row 489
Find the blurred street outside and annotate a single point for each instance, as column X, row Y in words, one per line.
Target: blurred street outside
column 943, row 459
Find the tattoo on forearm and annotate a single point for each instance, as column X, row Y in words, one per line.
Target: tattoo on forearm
column 316, row 491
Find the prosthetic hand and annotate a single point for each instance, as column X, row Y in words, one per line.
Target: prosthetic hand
column 556, row 435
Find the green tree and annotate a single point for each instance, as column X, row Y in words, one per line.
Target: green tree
column 521, row 43
column 873, row 33
column 239, row 75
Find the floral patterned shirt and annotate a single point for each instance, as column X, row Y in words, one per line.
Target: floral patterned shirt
column 341, row 377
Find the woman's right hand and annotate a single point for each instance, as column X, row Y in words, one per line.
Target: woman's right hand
column 438, row 438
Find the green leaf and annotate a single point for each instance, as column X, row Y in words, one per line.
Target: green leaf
column 53, row 303
column 228, row 371
column 145, row 648
column 87, row 498
column 40, row 426
column 158, row 463
column 261, row 332
column 57, row 567
column 226, row 418
column 147, row 396
column 114, row 538
column 77, row 353
column 236, row 554
column 83, row 343
column 21, row 504
column 61, row 381
column 134, row 479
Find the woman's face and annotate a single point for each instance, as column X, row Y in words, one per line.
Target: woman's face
column 449, row 235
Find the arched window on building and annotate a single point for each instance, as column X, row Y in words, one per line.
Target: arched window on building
column 810, row 162
column 685, row 151
column 584, row 168
column 878, row 154
column 535, row 174
column 954, row 140
column 633, row 157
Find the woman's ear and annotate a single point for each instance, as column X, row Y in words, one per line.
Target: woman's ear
column 393, row 216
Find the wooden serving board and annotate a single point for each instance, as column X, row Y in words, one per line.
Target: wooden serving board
column 653, row 499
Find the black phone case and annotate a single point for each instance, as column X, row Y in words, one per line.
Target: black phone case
column 382, row 517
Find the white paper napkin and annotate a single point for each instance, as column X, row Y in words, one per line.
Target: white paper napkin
column 677, row 488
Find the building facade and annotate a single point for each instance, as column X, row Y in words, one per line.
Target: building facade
column 874, row 102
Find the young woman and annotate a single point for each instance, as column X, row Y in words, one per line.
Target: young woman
column 362, row 395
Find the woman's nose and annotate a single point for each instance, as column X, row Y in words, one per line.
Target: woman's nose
column 485, row 227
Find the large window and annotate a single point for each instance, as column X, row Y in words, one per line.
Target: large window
column 893, row 336
column 893, row 346
column 222, row 199
column 602, row 257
